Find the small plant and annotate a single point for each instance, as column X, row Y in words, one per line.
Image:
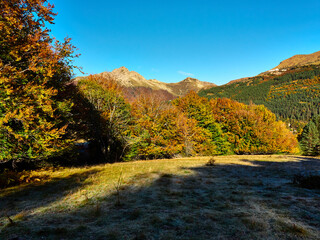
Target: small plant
column 211, row 162
column 86, row 198
column 118, row 188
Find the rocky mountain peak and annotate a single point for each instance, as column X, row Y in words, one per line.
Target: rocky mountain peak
column 132, row 79
column 190, row 79
column 121, row 70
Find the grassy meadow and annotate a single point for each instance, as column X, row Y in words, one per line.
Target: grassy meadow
column 240, row 197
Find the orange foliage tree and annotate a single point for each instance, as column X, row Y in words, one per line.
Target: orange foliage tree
column 161, row 130
column 33, row 71
column 253, row 128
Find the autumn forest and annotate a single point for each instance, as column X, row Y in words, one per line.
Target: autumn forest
column 44, row 113
column 50, row 120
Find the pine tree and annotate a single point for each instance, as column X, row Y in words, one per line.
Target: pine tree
column 310, row 139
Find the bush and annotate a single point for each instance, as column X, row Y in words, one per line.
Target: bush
column 211, row 162
column 9, row 178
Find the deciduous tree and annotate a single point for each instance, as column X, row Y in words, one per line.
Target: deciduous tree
column 34, row 69
column 110, row 115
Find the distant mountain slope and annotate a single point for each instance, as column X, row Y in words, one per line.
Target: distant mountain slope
column 187, row 85
column 135, row 82
column 300, row 60
column 291, row 93
column 297, row 61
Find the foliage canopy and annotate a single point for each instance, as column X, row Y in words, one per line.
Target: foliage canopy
column 34, row 69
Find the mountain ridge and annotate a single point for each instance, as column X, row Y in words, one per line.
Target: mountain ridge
column 291, row 93
column 300, row 60
column 296, row 61
column 132, row 80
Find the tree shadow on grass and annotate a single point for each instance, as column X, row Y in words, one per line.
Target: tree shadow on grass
column 29, row 197
column 225, row 201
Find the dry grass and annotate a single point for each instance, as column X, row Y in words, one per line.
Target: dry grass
column 241, row 197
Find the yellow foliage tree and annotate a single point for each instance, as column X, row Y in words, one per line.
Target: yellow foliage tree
column 34, row 69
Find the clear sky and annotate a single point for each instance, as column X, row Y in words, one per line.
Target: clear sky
column 211, row 40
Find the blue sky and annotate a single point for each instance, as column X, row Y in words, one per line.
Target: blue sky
column 211, row 40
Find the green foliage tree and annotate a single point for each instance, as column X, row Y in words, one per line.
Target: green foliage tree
column 34, row 69
column 316, row 120
column 110, row 115
column 199, row 109
column 310, row 139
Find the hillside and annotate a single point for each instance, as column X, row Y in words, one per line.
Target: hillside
column 300, row 60
column 133, row 82
column 291, row 93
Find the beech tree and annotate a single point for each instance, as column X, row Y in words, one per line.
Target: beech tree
column 153, row 127
column 34, row 69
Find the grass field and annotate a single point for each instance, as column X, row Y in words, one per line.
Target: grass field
column 240, row 197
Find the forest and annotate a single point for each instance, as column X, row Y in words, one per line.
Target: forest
column 151, row 128
column 292, row 96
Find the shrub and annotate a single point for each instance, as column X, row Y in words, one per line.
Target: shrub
column 9, row 178
column 211, row 162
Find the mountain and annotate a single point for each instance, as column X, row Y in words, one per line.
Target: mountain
column 300, row 60
column 134, row 83
column 297, row 61
column 291, row 90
